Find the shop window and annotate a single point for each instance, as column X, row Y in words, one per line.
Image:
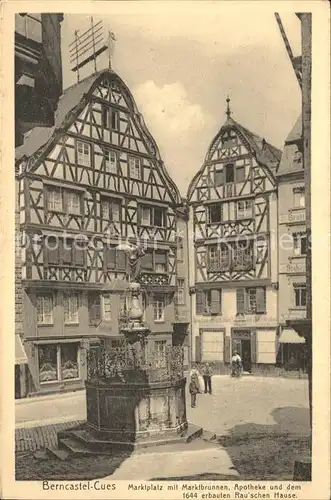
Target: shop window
column 58, row 362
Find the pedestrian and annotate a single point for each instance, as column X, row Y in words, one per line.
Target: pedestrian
column 195, row 373
column 207, row 373
column 236, row 365
column 194, row 389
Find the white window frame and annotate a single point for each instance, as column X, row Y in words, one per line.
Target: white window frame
column 244, row 209
column 106, row 315
column 54, row 199
column 73, row 207
column 135, row 166
column 43, row 314
column 159, row 304
column 83, row 153
column 58, row 364
column 299, row 289
column 299, row 200
column 180, row 291
column 72, row 317
column 111, row 161
column 109, row 204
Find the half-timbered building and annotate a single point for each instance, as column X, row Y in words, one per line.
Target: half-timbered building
column 90, row 182
column 233, row 227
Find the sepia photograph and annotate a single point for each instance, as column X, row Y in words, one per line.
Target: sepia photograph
column 163, row 249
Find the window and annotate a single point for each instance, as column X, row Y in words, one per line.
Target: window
column 244, row 209
column 110, row 210
column 154, row 260
column 64, row 200
column 215, row 212
column 64, row 251
column 219, row 176
column 70, row 306
column 54, row 199
column 209, row 302
column 180, row 291
column 229, row 173
column 114, row 117
column 106, row 307
column 114, row 258
column 45, row 309
column 153, row 216
column 124, row 304
column 134, row 167
column 240, row 174
column 73, row 202
column 242, row 255
column 105, row 116
column 300, row 297
column 158, row 305
column 111, row 162
column 94, row 308
column 261, row 249
column 300, row 243
column 213, row 258
column 58, row 362
column 160, row 259
column 299, row 197
column 83, row 153
column 180, row 249
column 251, row 300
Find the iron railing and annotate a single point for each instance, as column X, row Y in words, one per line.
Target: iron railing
column 128, row 364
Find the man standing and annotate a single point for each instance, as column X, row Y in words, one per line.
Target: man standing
column 236, row 365
column 207, row 373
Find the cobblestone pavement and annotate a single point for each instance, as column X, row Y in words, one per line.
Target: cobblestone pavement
column 37, row 438
column 250, row 406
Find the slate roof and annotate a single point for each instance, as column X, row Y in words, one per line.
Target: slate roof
column 287, row 163
column 266, row 154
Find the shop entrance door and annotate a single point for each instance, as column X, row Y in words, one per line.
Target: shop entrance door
column 241, row 342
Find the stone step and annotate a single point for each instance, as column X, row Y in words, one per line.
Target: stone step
column 208, row 436
column 74, row 447
column 57, row 453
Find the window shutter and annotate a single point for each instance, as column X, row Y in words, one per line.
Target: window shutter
column 147, row 261
column 200, row 302
column 111, row 258
column 66, row 301
column 160, row 258
column 260, row 300
column 240, row 301
column 79, row 255
column 198, row 348
column 240, row 174
column 67, row 252
column 253, row 347
column 94, row 307
column 215, row 301
column 219, row 177
column 227, row 353
column 120, row 260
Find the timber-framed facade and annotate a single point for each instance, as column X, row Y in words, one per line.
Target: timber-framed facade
column 233, row 228
column 90, row 182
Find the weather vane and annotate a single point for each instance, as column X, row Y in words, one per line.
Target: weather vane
column 89, row 45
